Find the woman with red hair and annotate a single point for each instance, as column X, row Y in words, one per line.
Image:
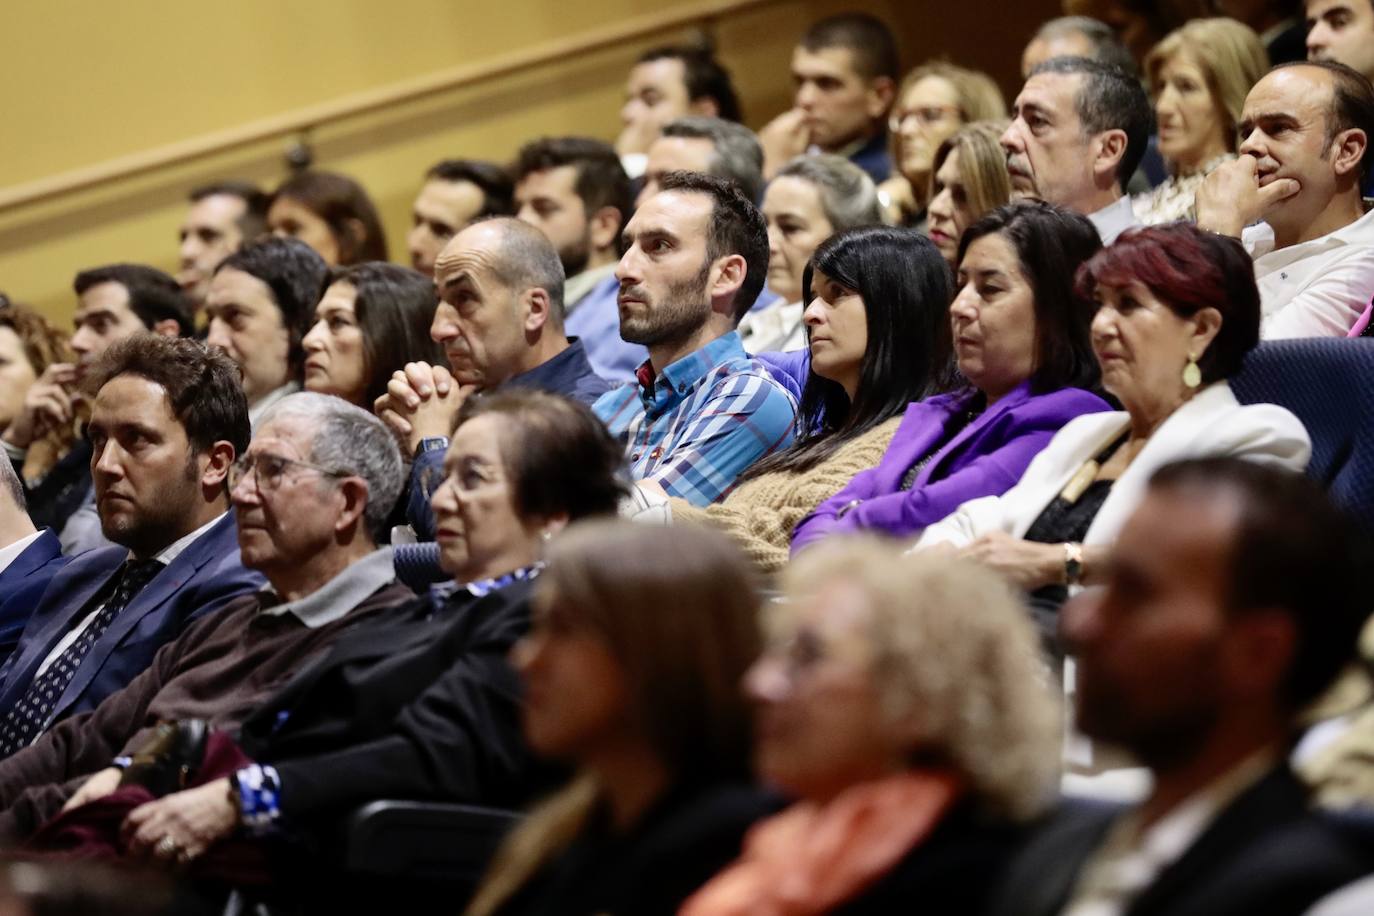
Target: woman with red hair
column 1177, row 310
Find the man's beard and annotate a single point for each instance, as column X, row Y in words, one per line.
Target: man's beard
column 576, row 256
column 152, row 528
column 683, row 310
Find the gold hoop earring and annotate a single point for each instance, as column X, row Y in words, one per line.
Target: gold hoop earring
column 1192, row 375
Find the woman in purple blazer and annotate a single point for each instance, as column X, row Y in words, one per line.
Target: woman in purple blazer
column 1021, row 339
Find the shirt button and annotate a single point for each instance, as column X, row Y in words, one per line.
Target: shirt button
column 635, row 456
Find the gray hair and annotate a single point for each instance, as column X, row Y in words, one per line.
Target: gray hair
column 1107, row 47
column 11, row 484
column 738, row 156
column 526, row 259
column 351, row 442
column 1109, row 99
column 848, row 196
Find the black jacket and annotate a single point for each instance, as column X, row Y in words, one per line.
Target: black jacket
column 1265, row 854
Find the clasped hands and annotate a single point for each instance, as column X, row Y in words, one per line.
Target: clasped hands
column 421, row 402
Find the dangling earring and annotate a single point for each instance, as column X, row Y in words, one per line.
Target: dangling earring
column 1192, row 375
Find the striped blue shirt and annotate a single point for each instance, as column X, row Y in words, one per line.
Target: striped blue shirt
column 702, row 421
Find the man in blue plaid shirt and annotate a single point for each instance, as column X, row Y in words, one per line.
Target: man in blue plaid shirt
column 701, row 410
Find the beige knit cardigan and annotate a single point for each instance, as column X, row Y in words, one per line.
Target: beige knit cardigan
column 761, row 512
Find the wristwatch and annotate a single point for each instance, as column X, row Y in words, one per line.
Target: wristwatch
column 431, row 444
column 1073, row 563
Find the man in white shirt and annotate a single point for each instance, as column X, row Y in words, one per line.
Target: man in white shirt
column 1235, row 597
column 1079, row 129
column 1305, row 149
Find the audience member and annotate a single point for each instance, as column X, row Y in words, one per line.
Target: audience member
column 845, row 69
column 575, row 191
column 29, row 346
column 879, row 341
column 665, row 84
column 113, row 303
column 810, row 199
column 455, row 192
column 1177, row 310
column 632, row 671
column 968, row 179
column 1234, row 598
column 29, row 558
column 1305, row 150
column 935, row 100
column 222, row 217
column 904, row 706
column 1078, row 131
column 1277, row 23
column 260, row 303
column 1341, row 31
column 500, row 323
column 168, row 418
column 1140, row 24
column 332, row 214
column 309, row 496
column 1199, row 76
column 1022, row 344
column 422, row 702
column 700, row 411
column 372, row 320
column 1076, row 36
column 709, row 146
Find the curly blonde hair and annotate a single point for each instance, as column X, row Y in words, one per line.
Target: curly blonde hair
column 950, row 642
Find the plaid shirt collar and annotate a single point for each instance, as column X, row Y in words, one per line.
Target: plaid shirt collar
column 660, row 391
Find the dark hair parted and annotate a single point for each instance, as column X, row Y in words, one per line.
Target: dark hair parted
column 1294, row 550
column 256, row 202
column 344, row 205
column 204, row 386
column 703, row 76
column 295, row 274
column 1109, row 99
column 560, row 458
column 498, row 191
column 1352, row 105
column 601, row 180
column 1051, row 244
column 867, row 38
column 394, row 309
column 1187, row 269
column 736, row 226
column 153, row 295
column 905, row 287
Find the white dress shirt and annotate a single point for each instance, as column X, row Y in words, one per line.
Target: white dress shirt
column 1317, row 288
column 1114, row 219
column 11, row 553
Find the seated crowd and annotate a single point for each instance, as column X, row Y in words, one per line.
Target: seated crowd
column 854, row 517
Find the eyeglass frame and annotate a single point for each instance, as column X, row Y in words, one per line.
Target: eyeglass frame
column 237, row 471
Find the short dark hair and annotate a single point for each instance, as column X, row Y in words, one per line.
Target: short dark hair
column 394, row 309
column 525, row 259
column 203, row 385
column 256, row 202
column 866, row 37
column 295, row 274
column 1187, row 269
column 338, row 199
column 601, row 180
column 1051, row 243
column 1293, row 549
column 703, row 76
column 1109, row 99
column 11, row 485
column 737, row 154
column 153, row 295
column 1352, row 104
column 735, row 227
column 560, row 458
column 1107, row 46
column 498, row 191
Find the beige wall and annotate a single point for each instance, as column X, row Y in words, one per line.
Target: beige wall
column 90, row 82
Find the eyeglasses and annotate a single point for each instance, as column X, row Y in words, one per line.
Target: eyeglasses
column 268, row 469
column 925, row 115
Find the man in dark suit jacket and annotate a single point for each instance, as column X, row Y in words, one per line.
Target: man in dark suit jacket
column 29, row 558
column 1234, row 597
column 168, row 420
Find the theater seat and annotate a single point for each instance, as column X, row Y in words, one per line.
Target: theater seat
column 417, row 565
column 424, row 840
column 1326, row 382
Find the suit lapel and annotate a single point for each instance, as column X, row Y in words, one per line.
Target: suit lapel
column 1016, row 397
column 37, row 555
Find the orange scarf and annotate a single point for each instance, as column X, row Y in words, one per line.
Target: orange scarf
column 812, row 858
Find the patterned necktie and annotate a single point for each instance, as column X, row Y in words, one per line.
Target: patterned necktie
column 30, row 713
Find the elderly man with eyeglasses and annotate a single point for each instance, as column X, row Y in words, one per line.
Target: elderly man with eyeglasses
column 310, row 495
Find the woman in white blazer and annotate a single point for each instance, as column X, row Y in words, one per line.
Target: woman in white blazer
column 1178, row 310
